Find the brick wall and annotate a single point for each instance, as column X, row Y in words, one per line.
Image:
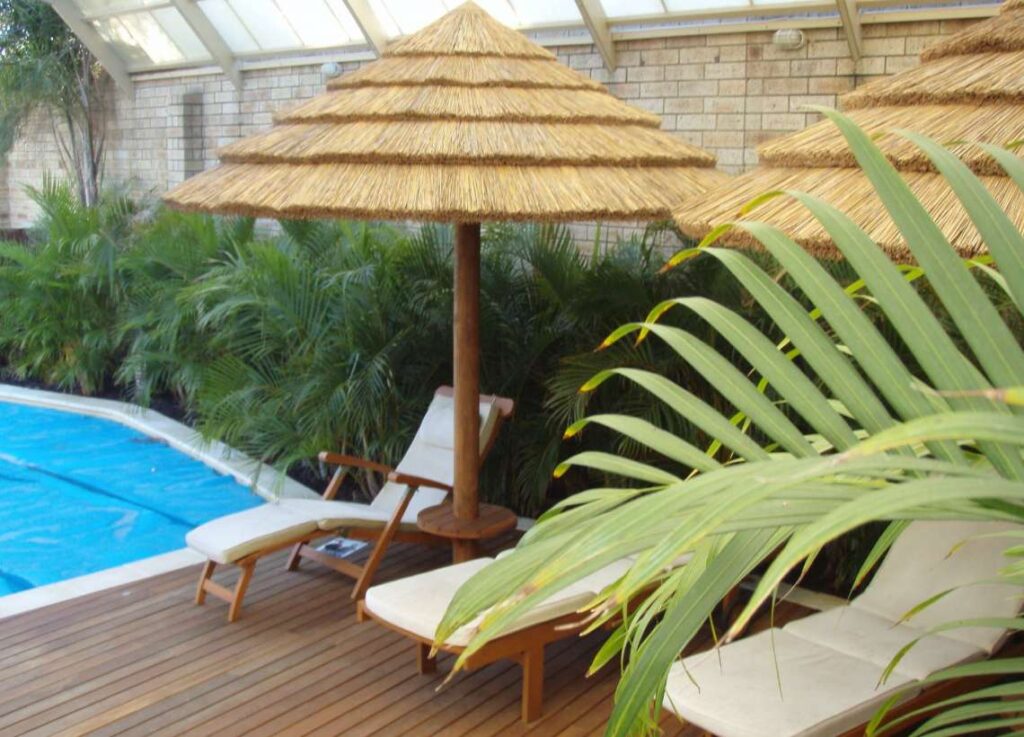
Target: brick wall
column 725, row 92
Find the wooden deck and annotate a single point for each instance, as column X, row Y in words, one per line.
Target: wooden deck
column 142, row 660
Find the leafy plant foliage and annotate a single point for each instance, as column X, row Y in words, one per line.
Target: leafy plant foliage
column 333, row 334
column 828, row 421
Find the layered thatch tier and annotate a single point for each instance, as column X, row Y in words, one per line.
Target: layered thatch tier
column 970, row 87
column 464, row 121
column 850, row 191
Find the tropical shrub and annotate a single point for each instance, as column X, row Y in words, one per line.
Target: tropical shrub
column 60, row 296
column 822, row 428
column 332, row 334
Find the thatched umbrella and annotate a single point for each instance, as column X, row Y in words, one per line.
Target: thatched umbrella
column 464, row 121
column 969, row 87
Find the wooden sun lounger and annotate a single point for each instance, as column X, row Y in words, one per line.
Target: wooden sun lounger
column 296, row 523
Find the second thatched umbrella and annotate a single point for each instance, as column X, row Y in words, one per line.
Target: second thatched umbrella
column 969, row 87
column 464, row 121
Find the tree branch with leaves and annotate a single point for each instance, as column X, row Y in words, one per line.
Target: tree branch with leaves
column 46, row 71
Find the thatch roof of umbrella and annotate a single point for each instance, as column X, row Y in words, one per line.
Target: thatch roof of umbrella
column 466, row 120
column 969, row 87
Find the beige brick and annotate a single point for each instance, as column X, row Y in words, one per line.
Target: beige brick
column 727, row 87
column 659, row 89
column 768, row 69
column 829, row 85
column 828, row 49
column 645, row 74
column 684, row 72
column 695, row 122
column 767, row 104
column 685, row 105
column 783, row 121
column 799, row 103
column 884, row 46
column 813, row 68
column 659, row 57
column 724, row 105
column 786, row 86
column 698, row 88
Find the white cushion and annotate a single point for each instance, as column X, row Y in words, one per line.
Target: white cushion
column 417, row 604
column 332, row 515
column 877, row 640
column 234, row 536
column 735, row 691
column 928, row 559
column 391, row 495
column 431, row 454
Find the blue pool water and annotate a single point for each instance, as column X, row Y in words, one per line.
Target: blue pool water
column 80, row 494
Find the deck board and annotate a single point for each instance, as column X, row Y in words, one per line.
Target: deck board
column 142, row 660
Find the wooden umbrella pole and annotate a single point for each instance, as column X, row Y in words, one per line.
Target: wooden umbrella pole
column 467, row 381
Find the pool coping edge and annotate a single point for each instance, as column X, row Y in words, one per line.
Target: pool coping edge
column 263, row 480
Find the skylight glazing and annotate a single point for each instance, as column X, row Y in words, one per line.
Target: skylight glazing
column 148, row 34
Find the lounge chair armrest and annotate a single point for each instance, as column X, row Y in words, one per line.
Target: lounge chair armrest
column 338, row 459
column 417, row 481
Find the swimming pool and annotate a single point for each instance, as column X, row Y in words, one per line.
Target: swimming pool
column 81, row 494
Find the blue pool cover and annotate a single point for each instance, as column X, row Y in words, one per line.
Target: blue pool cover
column 80, row 494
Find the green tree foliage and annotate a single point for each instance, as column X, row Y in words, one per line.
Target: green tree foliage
column 48, row 76
column 334, row 334
column 844, row 422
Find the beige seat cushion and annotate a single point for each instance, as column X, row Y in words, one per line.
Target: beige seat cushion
column 234, row 536
column 431, row 455
column 867, row 636
column 331, row 515
column 735, row 691
column 928, row 559
column 417, row 604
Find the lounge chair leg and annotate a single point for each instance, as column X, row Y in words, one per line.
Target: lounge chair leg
column 208, row 567
column 424, row 663
column 533, row 683
column 295, row 558
column 243, row 583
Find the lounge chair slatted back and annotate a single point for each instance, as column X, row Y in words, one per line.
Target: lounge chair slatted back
column 431, row 455
column 930, row 558
column 423, row 479
column 824, row 675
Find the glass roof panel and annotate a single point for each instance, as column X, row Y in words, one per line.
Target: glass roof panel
column 266, row 24
column 148, row 33
column 542, row 12
column 501, row 10
column 315, row 23
column 681, row 6
column 628, row 8
column 229, row 26
column 181, row 33
column 402, row 17
column 348, row 23
column 139, row 39
column 92, row 8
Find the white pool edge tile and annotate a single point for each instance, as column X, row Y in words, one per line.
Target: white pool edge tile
column 72, row 588
column 262, row 479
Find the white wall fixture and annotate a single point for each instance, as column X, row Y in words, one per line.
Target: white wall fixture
column 789, row 39
column 331, row 69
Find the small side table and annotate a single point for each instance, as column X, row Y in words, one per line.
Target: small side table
column 466, row 534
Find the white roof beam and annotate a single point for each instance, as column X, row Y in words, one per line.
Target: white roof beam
column 850, row 16
column 92, row 40
column 597, row 23
column 367, row 21
column 211, row 39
